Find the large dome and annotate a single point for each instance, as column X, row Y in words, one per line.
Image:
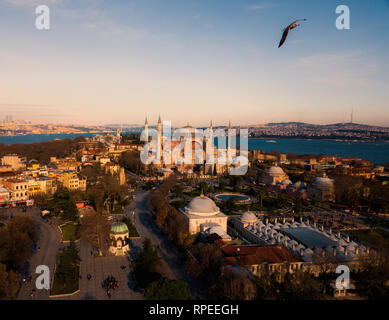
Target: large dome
column 202, row 206
column 275, row 170
column 323, row 182
column 248, row 217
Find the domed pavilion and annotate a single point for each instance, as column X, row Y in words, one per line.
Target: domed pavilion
column 202, row 213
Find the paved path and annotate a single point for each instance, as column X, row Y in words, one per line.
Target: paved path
column 100, row 268
column 147, row 228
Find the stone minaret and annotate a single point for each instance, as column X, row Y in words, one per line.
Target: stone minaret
column 229, row 143
column 159, row 128
column 147, row 130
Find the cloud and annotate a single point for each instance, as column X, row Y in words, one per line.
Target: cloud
column 338, row 69
column 262, row 6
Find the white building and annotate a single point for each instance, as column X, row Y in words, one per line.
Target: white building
column 202, row 214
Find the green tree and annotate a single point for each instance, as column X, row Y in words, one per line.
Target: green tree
column 167, row 289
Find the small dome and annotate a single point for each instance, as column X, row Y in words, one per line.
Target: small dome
column 248, row 217
column 202, row 206
column 119, row 228
column 286, row 182
column 219, row 231
column 323, row 182
column 275, row 170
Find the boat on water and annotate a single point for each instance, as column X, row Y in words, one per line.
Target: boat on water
column 271, row 141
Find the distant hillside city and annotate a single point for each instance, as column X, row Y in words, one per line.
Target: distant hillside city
column 298, row 130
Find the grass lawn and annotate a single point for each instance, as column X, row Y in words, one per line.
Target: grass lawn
column 66, row 277
column 70, row 232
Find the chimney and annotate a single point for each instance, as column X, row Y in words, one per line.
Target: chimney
column 357, row 251
column 334, row 251
column 275, row 221
column 283, row 221
column 339, row 234
column 267, row 220
column 286, row 243
column 345, row 252
column 279, row 238
column 348, row 238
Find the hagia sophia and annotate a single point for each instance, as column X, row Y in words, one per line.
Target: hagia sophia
column 173, row 153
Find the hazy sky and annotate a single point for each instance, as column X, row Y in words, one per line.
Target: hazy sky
column 194, row 60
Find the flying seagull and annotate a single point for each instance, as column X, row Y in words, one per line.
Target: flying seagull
column 287, row 29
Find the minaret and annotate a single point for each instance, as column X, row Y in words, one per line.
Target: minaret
column 229, row 143
column 159, row 127
column 147, row 130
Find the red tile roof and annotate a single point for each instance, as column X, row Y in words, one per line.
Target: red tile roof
column 254, row 254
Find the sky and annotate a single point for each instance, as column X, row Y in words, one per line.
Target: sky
column 193, row 61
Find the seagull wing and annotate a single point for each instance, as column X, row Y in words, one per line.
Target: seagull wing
column 284, row 36
column 298, row 21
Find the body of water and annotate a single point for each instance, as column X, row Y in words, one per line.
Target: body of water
column 377, row 152
column 31, row 138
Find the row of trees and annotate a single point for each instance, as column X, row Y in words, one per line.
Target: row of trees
column 167, row 216
column 42, row 151
column 17, row 238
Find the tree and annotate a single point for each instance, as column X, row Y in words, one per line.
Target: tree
column 372, row 281
column 64, row 205
column 300, row 286
column 95, row 230
column 144, row 265
column 9, row 283
column 16, row 239
column 167, row 289
column 236, row 283
column 206, row 263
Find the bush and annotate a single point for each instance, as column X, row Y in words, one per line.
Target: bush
column 166, row 289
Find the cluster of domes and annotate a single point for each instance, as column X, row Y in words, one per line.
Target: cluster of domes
column 271, row 234
column 202, row 206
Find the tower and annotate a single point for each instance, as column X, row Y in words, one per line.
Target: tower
column 146, row 130
column 160, row 141
column 229, row 143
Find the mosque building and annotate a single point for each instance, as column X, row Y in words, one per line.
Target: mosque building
column 275, row 175
column 323, row 188
column 202, row 215
column 173, row 153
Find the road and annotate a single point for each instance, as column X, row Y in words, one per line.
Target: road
column 147, row 228
column 48, row 244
